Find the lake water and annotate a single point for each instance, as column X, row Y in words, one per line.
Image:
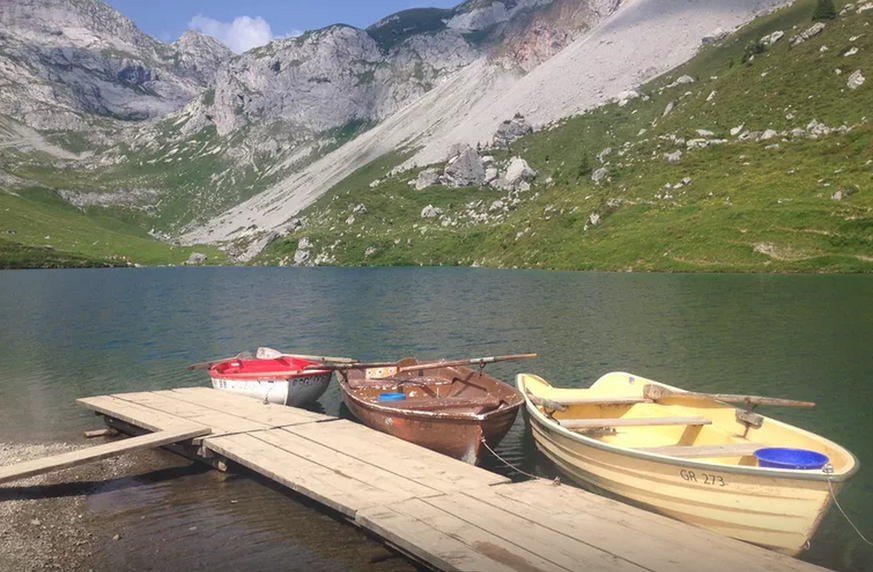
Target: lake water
column 74, row 333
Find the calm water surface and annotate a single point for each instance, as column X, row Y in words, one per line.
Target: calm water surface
column 68, row 334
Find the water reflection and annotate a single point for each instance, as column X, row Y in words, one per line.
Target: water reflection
column 68, row 334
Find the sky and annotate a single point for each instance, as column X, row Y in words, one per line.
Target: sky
column 250, row 23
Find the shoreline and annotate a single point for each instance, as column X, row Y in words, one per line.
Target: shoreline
column 44, row 521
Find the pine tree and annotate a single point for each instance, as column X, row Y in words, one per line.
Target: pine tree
column 824, row 10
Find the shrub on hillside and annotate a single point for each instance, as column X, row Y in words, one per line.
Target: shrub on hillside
column 824, row 10
column 753, row 49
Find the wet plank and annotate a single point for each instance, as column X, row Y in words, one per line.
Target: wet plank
column 90, row 454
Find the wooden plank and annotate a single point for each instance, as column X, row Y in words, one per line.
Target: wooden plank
column 132, row 413
column 421, row 540
column 570, row 506
column 397, row 456
column 345, row 464
column 633, row 422
column 254, row 409
column 599, row 400
column 704, row 451
column 332, row 488
column 167, row 402
column 82, row 456
column 476, row 539
column 560, row 549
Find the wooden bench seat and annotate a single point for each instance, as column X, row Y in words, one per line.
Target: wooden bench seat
column 438, row 403
column 600, row 400
column 704, row 451
column 633, row 422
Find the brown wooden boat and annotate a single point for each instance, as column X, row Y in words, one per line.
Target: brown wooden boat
column 446, row 408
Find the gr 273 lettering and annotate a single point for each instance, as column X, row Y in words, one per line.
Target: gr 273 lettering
column 704, row 478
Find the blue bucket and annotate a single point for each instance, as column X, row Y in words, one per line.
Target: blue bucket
column 392, row 396
column 785, row 458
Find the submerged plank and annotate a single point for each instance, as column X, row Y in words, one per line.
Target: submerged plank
column 82, row 456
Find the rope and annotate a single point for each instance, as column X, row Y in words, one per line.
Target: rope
column 828, row 470
column 513, row 467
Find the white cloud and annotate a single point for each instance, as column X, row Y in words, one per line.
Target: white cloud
column 241, row 35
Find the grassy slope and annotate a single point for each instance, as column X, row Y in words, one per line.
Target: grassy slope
column 32, row 219
column 747, row 208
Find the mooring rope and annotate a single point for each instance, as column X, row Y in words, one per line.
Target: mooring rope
column 829, row 470
column 513, row 467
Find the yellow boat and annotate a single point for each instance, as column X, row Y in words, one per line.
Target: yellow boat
column 690, row 456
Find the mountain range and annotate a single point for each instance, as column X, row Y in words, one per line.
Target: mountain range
column 187, row 144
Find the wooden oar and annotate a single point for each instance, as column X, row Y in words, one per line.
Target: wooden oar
column 656, row 392
column 473, row 361
column 422, row 367
column 270, row 353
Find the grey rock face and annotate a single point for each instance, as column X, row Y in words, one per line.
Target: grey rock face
column 62, row 58
column 465, row 171
column 810, row 32
column 512, row 129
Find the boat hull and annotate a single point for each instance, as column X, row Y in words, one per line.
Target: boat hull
column 295, row 392
column 451, row 410
column 458, row 438
column 774, row 508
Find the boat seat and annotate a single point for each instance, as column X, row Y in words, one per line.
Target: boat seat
column 704, row 451
column 605, row 400
column 437, row 403
column 632, row 422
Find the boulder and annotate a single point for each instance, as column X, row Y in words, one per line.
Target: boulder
column 705, row 133
column 360, row 209
column 768, row 134
column 602, row 155
column 771, row 39
column 431, row 211
column 597, row 175
column 673, row 157
column 512, row 129
column 856, row 80
column 518, row 171
column 737, row 130
column 714, row 37
column 810, row 32
column 195, row 258
column 668, row 109
column 427, row 178
column 490, row 174
column 465, row 171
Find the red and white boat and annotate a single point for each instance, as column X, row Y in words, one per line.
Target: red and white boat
column 281, row 380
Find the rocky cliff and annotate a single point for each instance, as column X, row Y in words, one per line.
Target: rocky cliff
column 64, row 61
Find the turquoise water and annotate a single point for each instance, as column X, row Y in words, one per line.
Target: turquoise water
column 68, row 334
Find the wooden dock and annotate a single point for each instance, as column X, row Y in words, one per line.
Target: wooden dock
column 434, row 509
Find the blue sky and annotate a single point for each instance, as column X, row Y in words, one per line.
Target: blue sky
column 245, row 24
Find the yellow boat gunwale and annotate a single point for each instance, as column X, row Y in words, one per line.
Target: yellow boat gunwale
column 799, row 474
